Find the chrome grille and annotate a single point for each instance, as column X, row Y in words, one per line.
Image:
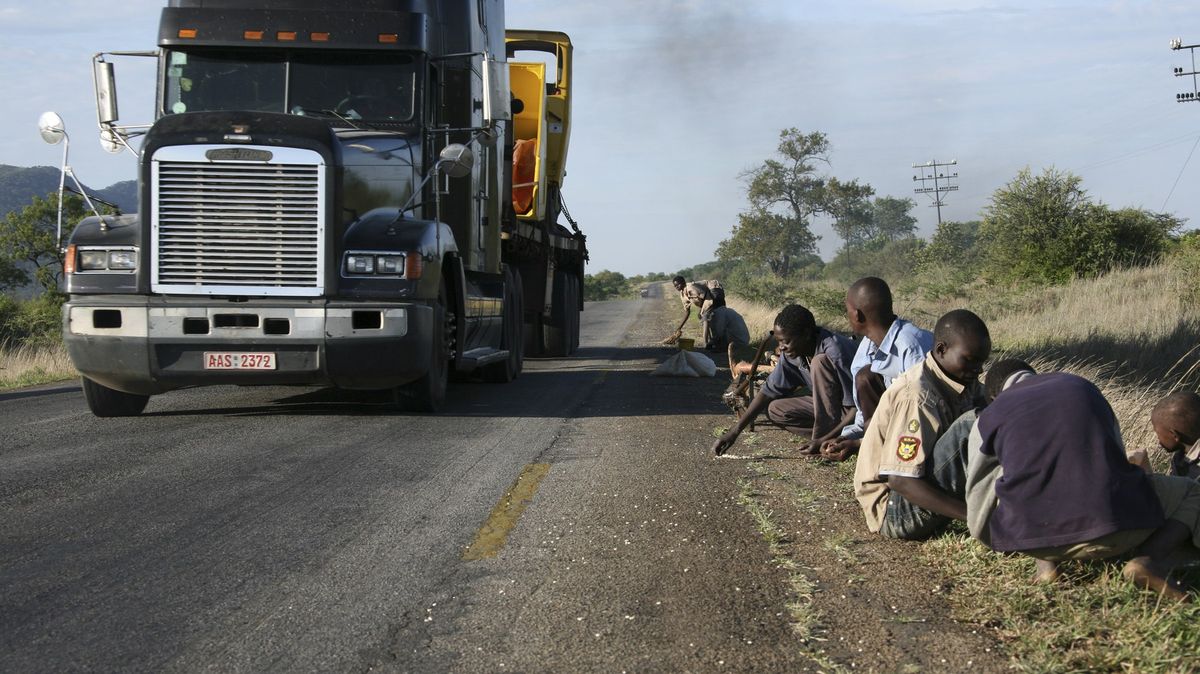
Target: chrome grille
column 238, row 227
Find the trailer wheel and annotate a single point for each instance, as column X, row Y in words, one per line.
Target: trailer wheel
column 428, row 394
column 512, row 340
column 576, row 295
column 564, row 312
column 106, row 402
column 522, row 337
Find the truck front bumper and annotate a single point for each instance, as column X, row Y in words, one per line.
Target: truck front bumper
column 142, row 345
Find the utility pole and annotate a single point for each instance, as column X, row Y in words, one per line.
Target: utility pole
column 943, row 181
column 1194, row 94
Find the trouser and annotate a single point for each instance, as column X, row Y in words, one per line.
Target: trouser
column 817, row 414
column 946, row 469
column 870, row 389
column 1180, row 501
column 705, row 318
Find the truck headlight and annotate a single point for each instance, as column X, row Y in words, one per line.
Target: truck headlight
column 93, row 260
column 123, row 260
column 390, row 264
column 98, row 259
column 360, row 264
column 378, row 263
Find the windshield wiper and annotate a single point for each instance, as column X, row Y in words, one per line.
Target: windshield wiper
column 310, row 112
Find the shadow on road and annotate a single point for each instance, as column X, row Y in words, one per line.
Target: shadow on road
column 547, row 388
column 35, row 393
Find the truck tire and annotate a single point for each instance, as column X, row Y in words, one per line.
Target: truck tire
column 522, row 338
column 428, row 394
column 576, row 294
column 512, row 339
column 106, row 402
column 556, row 335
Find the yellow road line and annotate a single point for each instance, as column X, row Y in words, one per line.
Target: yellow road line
column 494, row 533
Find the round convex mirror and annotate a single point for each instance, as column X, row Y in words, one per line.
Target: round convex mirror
column 456, row 160
column 51, row 127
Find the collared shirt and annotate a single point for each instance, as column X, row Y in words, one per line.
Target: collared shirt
column 1064, row 476
column 792, row 373
column 903, row 346
column 913, row 413
column 729, row 327
column 1187, row 462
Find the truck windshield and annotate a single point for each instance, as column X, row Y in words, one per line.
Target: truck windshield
column 373, row 87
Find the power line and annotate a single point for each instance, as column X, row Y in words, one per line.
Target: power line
column 1185, row 163
column 942, row 182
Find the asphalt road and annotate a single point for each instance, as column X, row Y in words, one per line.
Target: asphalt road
column 294, row 529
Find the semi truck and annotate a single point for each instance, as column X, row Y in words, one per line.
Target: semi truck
column 363, row 194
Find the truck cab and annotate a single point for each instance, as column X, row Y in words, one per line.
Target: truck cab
column 325, row 198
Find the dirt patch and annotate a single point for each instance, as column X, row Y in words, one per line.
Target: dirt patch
column 875, row 605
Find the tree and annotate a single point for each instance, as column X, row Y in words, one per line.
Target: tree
column 892, row 218
column 1032, row 226
column 604, row 284
column 27, row 241
column 785, row 193
column 953, row 244
column 1046, row 229
column 765, row 238
column 847, row 203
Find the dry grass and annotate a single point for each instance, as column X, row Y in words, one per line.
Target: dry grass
column 1136, row 334
column 29, row 365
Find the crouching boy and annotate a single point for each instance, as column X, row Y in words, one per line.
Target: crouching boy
column 1048, row 477
column 910, row 485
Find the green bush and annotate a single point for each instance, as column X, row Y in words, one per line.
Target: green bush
column 34, row 322
column 1045, row 229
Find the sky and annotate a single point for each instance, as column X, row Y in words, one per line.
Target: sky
column 675, row 99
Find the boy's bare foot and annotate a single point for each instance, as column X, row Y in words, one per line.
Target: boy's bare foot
column 1047, row 572
column 1142, row 573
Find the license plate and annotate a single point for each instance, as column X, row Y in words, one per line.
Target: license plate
column 238, row 361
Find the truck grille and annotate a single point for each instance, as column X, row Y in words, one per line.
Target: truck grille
column 238, row 227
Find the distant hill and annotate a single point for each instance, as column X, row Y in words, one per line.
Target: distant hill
column 19, row 185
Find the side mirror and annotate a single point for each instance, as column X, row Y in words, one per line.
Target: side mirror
column 497, row 97
column 106, row 92
column 456, row 160
column 52, row 128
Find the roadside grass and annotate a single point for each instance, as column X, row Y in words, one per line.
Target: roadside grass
column 28, row 365
column 1092, row 621
column 1136, row 334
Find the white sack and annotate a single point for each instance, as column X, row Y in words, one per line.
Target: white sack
column 686, row 364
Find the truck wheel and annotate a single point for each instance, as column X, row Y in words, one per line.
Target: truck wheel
column 534, row 337
column 512, row 339
column 107, row 402
column 521, row 339
column 576, row 294
column 557, row 333
column 428, row 394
